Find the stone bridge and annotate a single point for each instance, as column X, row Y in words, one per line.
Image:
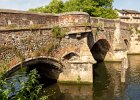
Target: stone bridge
column 29, row 39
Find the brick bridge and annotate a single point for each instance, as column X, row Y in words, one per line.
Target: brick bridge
column 27, row 39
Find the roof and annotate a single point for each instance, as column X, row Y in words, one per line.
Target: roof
column 125, row 11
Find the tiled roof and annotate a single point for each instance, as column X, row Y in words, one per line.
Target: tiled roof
column 124, row 11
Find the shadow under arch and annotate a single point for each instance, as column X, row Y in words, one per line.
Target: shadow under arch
column 48, row 68
column 100, row 49
column 101, row 82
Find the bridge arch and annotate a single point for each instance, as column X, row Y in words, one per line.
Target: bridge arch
column 47, row 67
column 100, row 49
column 70, row 56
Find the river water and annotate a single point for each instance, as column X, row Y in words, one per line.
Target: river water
column 106, row 85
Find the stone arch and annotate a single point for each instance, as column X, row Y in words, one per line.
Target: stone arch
column 71, row 56
column 100, row 49
column 50, row 68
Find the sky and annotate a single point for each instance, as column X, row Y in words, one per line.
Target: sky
column 26, row 4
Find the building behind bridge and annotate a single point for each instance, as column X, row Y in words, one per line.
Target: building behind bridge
column 131, row 16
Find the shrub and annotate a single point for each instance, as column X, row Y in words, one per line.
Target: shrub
column 29, row 90
column 57, row 32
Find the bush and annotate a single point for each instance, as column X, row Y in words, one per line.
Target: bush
column 29, row 90
column 57, row 33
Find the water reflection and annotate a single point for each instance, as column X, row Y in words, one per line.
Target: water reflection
column 106, row 81
column 68, row 92
column 133, row 78
column 106, row 86
column 101, row 80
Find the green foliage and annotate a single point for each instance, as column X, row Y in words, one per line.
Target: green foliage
column 57, row 33
column 72, row 5
column 105, row 13
column 29, row 91
column 4, row 92
column 55, row 6
column 96, row 8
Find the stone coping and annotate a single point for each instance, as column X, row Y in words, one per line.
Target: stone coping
column 39, row 13
column 100, row 18
column 78, row 32
column 10, row 11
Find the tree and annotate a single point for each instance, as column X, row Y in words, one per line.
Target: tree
column 104, row 3
column 55, row 6
column 72, row 5
column 96, row 8
column 89, row 6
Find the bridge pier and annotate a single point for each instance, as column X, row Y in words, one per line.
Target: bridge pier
column 77, row 72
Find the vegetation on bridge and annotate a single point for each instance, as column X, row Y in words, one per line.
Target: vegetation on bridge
column 57, row 32
column 96, row 8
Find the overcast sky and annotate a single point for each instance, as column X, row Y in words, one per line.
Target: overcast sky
column 26, row 4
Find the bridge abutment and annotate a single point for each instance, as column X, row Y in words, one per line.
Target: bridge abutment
column 79, row 67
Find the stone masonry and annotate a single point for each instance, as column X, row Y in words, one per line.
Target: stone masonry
column 26, row 35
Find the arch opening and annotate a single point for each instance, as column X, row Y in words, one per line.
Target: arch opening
column 48, row 69
column 72, row 56
column 100, row 49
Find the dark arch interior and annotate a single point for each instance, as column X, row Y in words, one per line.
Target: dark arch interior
column 48, row 69
column 49, row 73
column 100, row 49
